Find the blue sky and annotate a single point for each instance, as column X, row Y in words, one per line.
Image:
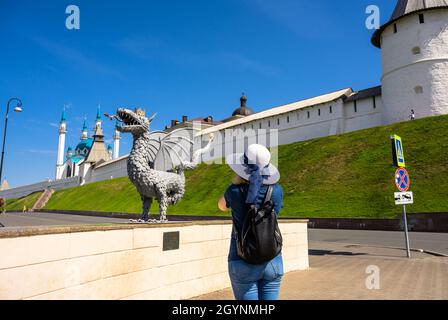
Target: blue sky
column 176, row 58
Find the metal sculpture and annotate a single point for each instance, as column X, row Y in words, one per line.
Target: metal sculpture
column 158, row 160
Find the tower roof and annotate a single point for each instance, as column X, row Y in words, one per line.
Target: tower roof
column 98, row 134
column 99, row 151
column 243, row 110
column 405, row 8
column 84, row 126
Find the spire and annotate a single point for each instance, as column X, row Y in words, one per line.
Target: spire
column 84, row 132
column 98, row 114
column 63, row 117
column 98, row 118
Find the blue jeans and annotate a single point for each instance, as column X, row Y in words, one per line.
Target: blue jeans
column 256, row 282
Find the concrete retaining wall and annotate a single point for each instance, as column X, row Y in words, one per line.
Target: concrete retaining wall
column 417, row 222
column 126, row 261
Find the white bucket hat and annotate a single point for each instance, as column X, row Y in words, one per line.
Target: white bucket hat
column 258, row 155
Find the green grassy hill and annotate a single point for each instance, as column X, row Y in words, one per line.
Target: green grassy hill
column 341, row 176
column 16, row 205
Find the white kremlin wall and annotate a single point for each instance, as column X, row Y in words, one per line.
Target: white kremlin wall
column 110, row 170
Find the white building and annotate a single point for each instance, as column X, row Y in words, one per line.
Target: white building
column 414, row 47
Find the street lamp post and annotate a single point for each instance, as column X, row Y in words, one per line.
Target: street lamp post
column 17, row 108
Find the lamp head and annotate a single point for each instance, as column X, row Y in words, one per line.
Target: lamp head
column 18, row 107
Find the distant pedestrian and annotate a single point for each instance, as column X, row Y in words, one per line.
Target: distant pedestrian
column 256, row 178
column 25, row 209
column 412, row 116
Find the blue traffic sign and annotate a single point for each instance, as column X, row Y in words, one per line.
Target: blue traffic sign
column 402, row 179
column 397, row 151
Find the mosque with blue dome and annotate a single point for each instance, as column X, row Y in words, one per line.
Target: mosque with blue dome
column 89, row 153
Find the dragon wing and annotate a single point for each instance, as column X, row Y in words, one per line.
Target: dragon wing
column 171, row 149
column 154, row 145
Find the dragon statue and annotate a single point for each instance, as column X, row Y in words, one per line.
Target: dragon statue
column 158, row 160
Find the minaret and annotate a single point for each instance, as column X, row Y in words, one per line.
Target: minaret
column 98, row 118
column 109, row 149
column 117, row 138
column 414, row 52
column 84, row 133
column 61, row 147
column 69, row 153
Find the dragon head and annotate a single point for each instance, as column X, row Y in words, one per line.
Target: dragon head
column 134, row 122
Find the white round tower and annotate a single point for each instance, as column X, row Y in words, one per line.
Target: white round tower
column 61, row 147
column 414, row 46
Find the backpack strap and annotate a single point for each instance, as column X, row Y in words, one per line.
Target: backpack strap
column 268, row 197
column 269, row 194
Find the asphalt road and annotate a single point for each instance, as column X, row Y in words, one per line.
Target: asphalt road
column 437, row 242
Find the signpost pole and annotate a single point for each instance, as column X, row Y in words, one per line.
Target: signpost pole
column 403, row 182
column 406, row 232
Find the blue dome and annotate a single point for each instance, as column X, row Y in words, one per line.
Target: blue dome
column 83, row 148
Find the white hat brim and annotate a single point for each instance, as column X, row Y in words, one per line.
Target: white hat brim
column 236, row 163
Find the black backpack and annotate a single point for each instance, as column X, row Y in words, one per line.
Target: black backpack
column 260, row 239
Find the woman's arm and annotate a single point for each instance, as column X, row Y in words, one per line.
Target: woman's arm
column 222, row 205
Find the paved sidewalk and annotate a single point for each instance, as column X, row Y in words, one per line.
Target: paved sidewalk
column 422, row 240
column 338, row 272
